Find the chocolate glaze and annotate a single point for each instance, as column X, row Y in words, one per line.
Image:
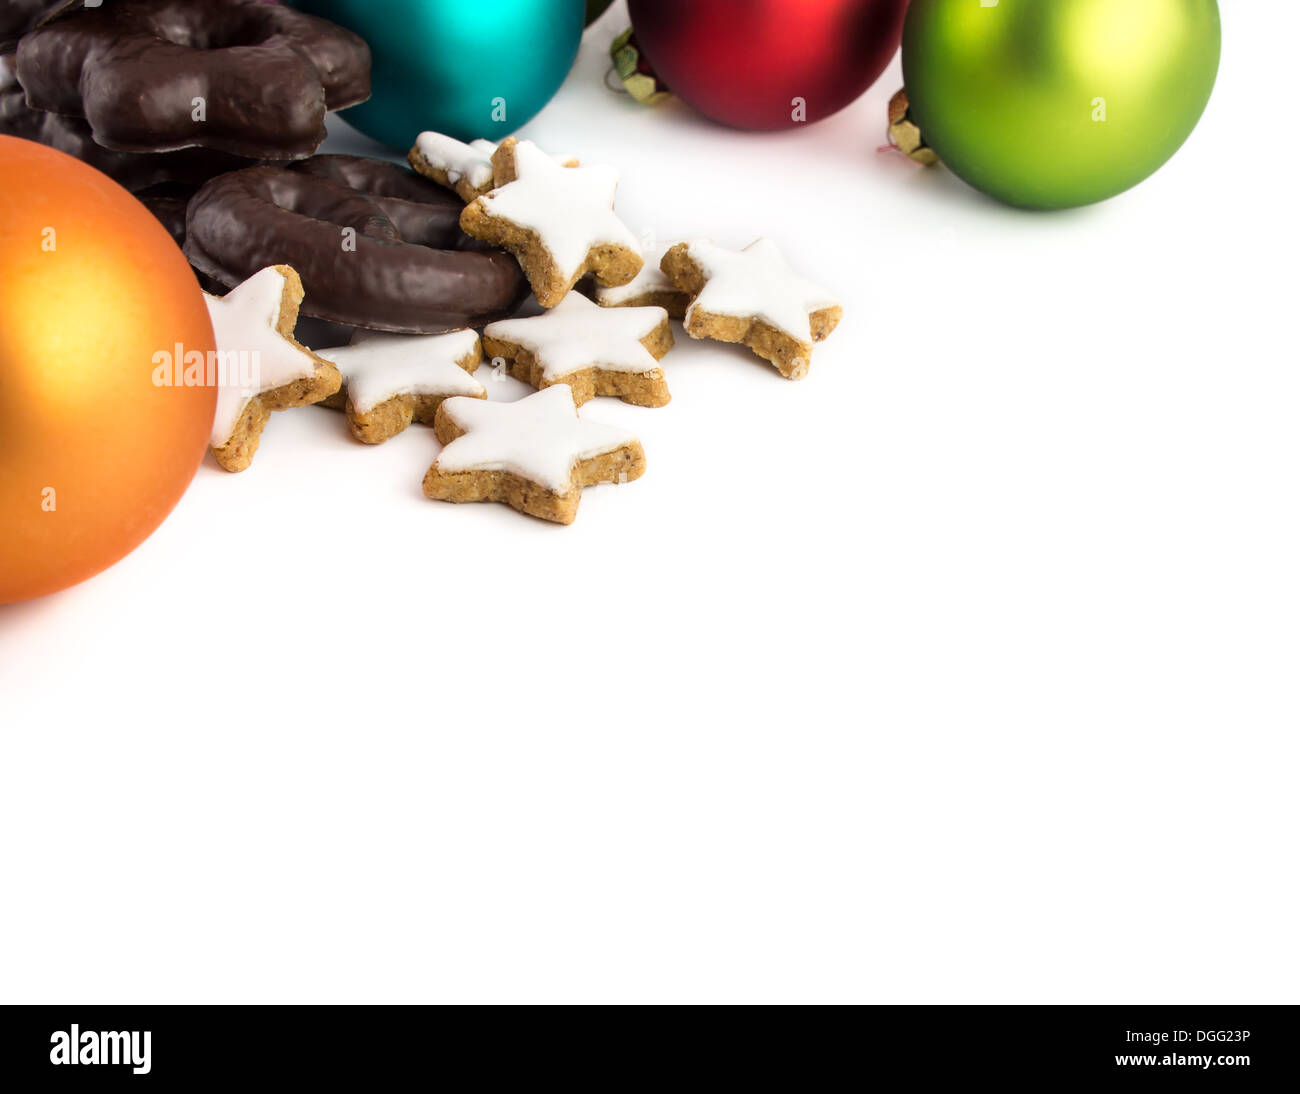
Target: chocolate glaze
column 136, row 171
column 133, row 69
column 412, row 270
column 17, row 17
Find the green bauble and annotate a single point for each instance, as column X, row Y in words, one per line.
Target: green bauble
column 1051, row 104
column 595, row 9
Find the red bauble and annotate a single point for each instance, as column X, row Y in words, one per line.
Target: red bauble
column 750, row 63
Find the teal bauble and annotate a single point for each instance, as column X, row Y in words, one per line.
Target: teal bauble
column 467, row 68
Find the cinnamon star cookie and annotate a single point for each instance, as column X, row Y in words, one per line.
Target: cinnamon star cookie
column 261, row 367
column 559, row 222
column 596, row 351
column 754, row 297
column 535, row 455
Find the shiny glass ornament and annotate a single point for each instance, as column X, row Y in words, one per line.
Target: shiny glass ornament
column 98, row 440
column 467, row 68
column 1051, row 104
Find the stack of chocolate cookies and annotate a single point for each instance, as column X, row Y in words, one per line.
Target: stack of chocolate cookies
column 147, row 91
column 211, row 112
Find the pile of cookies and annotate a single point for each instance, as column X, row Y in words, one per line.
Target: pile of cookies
column 557, row 218
column 121, row 85
column 388, row 274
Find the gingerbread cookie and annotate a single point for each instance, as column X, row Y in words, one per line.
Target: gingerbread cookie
column 17, row 17
column 649, row 289
column 238, row 76
column 559, row 222
column 596, row 351
column 753, row 296
column 135, row 170
column 464, row 168
column 377, row 245
column 392, row 380
column 262, row 367
column 535, row 455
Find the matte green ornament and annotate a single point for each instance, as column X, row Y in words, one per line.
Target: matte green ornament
column 467, row 68
column 1051, row 104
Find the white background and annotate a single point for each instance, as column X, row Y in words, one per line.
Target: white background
column 964, row 670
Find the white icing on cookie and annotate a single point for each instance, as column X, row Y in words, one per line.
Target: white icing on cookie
column 571, row 209
column 539, row 438
column 757, row 283
column 577, row 334
column 472, row 161
column 377, row 367
column 256, row 357
column 651, row 279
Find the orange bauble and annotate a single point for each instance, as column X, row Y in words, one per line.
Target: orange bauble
column 94, row 453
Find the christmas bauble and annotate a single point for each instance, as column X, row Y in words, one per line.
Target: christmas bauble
column 97, row 441
column 768, row 64
column 467, row 68
column 1050, row 104
column 595, row 9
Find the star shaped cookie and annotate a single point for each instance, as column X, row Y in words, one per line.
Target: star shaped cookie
column 651, row 288
column 753, row 296
column 464, row 168
column 596, row 351
column 261, row 368
column 535, row 455
column 559, row 222
column 392, row 380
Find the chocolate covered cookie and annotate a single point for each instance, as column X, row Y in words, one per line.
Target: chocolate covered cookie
column 237, row 76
